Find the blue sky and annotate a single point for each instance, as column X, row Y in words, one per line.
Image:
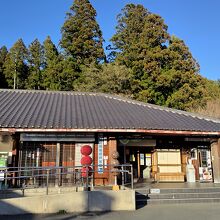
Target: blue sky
column 194, row 21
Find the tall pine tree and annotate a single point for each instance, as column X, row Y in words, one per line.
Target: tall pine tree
column 36, row 65
column 52, row 77
column 188, row 87
column 3, row 54
column 127, row 37
column 141, row 39
column 15, row 66
column 60, row 72
column 81, row 35
column 165, row 72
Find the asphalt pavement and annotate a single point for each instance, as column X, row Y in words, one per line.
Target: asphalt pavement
column 194, row 211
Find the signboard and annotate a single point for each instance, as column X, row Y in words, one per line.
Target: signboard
column 3, row 162
column 58, row 137
column 141, row 159
column 155, row 191
column 100, row 154
column 3, row 159
column 78, row 155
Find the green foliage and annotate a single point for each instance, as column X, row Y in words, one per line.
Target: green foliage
column 213, row 89
column 165, row 73
column 53, row 67
column 141, row 38
column 146, row 64
column 106, row 78
column 70, row 73
column 60, row 72
column 15, row 67
column 3, row 54
column 35, row 64
column 212, row 103
column 127, row 37
column 81, row 35
column 211, row 108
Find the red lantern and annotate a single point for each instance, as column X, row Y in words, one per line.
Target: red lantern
column 86, row 160
column 86, row 150
column 85, row 171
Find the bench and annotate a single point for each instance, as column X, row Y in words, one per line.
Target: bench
column 169, row 177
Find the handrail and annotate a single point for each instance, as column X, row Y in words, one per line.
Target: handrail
column 56, row 173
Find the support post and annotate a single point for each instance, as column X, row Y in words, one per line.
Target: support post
column 132, row 177
column 215, row 153
column 138, row 164
column 112, row 148
column 57, row 183
column 48, row 173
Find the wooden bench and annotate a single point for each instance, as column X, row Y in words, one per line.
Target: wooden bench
column 169, row 177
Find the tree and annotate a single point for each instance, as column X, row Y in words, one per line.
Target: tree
column 70, row 73
column 81, row 35
column 3, row 54
column 165, row 72
column 60, row 72
column 36, row 65
column 126, row 40
column 53, row 67
column 213, row 88
column 212, row 103
column 107, row 78
column 211, row 109
column 141, row 38
column 188, row 88
column 15, row 66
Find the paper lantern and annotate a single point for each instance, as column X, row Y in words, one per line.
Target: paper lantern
column 85, row 171
column 86, row 150
column 86, row 160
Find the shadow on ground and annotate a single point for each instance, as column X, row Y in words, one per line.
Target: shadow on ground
column 56, row 216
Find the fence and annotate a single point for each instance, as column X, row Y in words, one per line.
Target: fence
column 36, row 177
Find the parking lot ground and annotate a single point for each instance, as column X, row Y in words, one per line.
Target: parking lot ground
column 194, row 211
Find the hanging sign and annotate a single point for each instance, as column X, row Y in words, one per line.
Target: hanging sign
column 100, row 154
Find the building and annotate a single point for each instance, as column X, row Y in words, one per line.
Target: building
column 45, row 128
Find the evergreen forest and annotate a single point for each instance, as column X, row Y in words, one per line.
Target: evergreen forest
column 143, row 62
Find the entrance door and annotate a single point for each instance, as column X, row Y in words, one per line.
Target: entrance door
column 140, row 158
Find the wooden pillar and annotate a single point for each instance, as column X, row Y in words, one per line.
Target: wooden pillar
column 112, row 147
column 215, row 154
column 138, row 164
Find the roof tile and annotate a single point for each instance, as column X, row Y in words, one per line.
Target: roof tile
column 54, row 110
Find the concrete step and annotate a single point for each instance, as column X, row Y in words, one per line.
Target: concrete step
column 184, row 195
column 180, row 190
column 189, row 190
column 180, row 201
column 177, row 196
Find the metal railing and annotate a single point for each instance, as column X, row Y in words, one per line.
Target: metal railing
column 41, row 177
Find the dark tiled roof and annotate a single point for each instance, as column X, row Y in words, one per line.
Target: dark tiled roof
column 72, row 110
